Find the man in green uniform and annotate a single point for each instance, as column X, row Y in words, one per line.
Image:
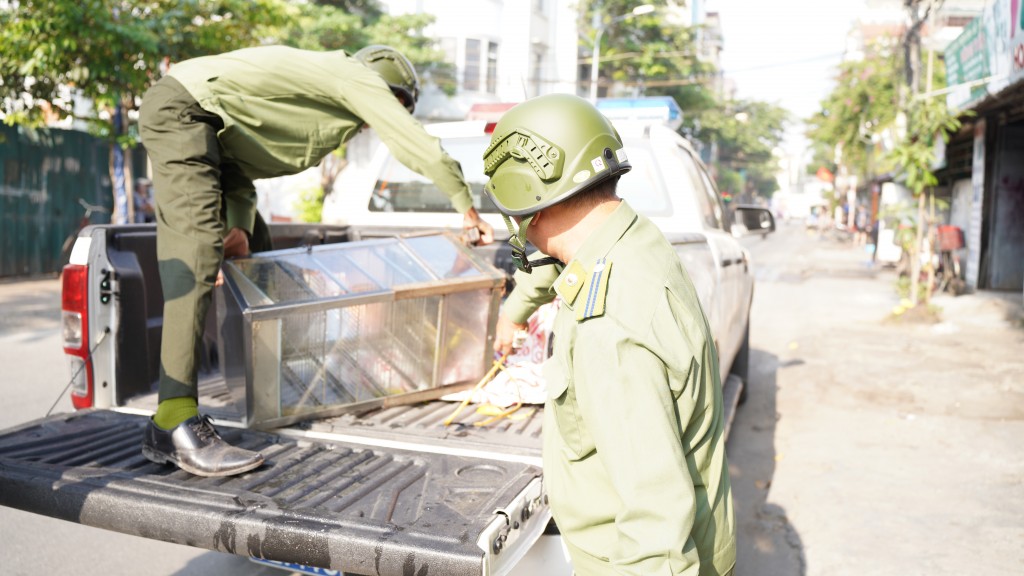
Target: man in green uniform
column 634, row 452
column 213, row 125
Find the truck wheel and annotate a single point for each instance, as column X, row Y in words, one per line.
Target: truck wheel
column 741, row 364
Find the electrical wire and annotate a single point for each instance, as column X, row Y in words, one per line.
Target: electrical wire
column 77, row 372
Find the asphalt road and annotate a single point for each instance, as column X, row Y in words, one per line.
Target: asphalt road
column 865, row 446
column 873, row 446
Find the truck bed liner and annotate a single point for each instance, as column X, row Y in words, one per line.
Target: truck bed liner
column 353, row 508
column 422, row 424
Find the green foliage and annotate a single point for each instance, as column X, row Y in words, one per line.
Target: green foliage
column 928, row 120
column 350, row 25
column 903, row 218
column 730, row 182
column 746, row 133
column 654, row 55
column 863, row 103
column 110, row 50
column 325, row 27
column 405, row 32
column 310, row 204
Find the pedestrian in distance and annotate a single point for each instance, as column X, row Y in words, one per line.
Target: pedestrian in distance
column 634, row 447
column 212, row 126
column 143, row 201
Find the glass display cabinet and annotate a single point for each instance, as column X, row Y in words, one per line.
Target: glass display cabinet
column 319, row 331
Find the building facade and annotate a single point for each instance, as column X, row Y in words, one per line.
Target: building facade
column 984, row 162
column 502, row 51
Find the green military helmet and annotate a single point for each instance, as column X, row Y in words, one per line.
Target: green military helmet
column 547, row 149
column 543, row 151
column 395, row 69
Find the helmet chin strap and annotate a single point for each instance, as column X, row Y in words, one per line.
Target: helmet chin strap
column 517, row 239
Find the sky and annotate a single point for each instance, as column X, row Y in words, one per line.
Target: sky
column 785, row 51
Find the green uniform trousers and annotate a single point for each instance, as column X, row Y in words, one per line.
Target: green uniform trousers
column 190, row 180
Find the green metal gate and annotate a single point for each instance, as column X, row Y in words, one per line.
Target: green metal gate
column 43, row 174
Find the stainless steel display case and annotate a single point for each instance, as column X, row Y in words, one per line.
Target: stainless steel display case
column 319, row 331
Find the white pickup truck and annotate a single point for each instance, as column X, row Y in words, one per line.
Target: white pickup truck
column 668, row 183
column 389, row 491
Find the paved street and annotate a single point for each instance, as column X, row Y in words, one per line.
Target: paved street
column 865, row 447
column 869, row 447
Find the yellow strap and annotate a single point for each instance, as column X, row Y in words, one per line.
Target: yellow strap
column 498, row 364
column 499, row 415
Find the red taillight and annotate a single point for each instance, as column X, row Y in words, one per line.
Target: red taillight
column 75, row 331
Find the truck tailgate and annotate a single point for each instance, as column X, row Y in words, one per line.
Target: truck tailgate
column 316, row 501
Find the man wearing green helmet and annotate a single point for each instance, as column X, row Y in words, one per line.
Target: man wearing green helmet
column 211, row 127
column 634, row 449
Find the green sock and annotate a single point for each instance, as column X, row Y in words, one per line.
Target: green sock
column 174, row 411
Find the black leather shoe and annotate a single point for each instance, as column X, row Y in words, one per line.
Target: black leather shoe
column 195, row 447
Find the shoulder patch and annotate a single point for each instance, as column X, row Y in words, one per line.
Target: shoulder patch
column 596, row 289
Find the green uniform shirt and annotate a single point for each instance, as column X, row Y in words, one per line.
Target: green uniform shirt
column 284, row 109
column 634, row 451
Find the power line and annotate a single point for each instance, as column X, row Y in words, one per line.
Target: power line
column 789, row 63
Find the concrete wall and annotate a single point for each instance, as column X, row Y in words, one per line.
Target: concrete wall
column 960, row 206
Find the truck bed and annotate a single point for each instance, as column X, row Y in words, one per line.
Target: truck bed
column 420, row 426
column 387, row 491
column 316, row 501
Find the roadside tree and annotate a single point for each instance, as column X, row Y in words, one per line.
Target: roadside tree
column 656, row 54
column 745, row 133
column 93, row 60
column 875, row 121
column 859, row 114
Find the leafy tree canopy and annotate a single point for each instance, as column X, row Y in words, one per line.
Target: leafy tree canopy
column 746, row 134
column 863, row 103
column 111, row 51
column 656, row 55
column 650, row 54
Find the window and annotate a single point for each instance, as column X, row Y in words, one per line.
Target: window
column 680, row 170
column 471, row 70
column 642, row 186
column 710, row 207
column 400, row 189
column 715, row 197
column 492, row 67
column 536, row 72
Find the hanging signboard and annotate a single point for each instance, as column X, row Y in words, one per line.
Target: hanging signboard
column 1017, row 40
column 966, row 62
column 983, row 60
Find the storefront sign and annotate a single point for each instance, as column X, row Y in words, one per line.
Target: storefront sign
column 967, row 61
column 983, row 60
column 1017, row 40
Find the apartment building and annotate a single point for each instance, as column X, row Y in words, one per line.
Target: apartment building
column 503, row 51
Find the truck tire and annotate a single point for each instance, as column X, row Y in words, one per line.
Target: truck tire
column 741, row 364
